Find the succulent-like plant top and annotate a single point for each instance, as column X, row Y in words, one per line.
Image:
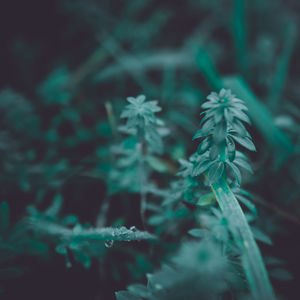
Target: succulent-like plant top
column 140, row 112
column 222, row 127
column 142, row 122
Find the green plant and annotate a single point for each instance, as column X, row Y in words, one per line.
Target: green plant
column 146, row 131
column 217, row 155
column 222, row 128
column 98, row 193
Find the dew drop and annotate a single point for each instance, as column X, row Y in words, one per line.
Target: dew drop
column 108, row 243
column 133, row 228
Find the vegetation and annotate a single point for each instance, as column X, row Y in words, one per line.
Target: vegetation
column 108, row 194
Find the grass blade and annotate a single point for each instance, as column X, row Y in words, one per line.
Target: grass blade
column 252, row 261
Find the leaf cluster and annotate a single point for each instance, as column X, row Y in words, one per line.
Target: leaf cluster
column 221, row 130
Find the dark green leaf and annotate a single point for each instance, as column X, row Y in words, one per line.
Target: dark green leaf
column 236, row 172
column 245, row 142
column 215, row 172
column 203, row 146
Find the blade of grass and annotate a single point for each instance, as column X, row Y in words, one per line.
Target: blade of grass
column 280, row 75
column 240, row 35
column 252, row 261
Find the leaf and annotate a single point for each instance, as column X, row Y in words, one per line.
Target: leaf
column 215, row 172
column 239, row 114
column 156, row 220
column 201, row 167
column 239, row 127
column 262, row 118
column 124, row 295
column 245, row 142
column 121, row 234
column 214, row 151
column 196, row 232
column 203, row 146
column 199, row 134
column 230, row 148
column 243, row 164
column 236, row 172
column 252, row 261
column 247, row 203
column 281, row 274
column 157, row 164
column 259, row 235
column 139, row 290
column 206, row 199
column 55, row 207
column 208, row 126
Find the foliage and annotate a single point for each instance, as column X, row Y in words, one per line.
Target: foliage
column 222, row 129
column 106, row 196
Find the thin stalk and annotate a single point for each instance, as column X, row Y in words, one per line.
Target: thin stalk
column 111, row 118
column 252, row 261
column 143, row 181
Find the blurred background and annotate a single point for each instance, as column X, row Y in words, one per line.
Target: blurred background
column 66, row 68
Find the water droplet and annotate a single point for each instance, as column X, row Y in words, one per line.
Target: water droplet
column 133, row 228
column 108, row 243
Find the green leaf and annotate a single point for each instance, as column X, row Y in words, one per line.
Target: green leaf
column 199, row 134
column 262, row 119
column 121, row 234
column 252, row 261
column 201, row 167
column 243, row 164
column 215, row 172
column 207, row 199
column 124, row 295
column 157, row 164
column 230, row 148
column 203, row 146
column 281, row 274
column 260, row 236
column 196, row 232
column 139, row 290
column 245, row 142
column 214, row 151
column 236, row 172
column 247, row 203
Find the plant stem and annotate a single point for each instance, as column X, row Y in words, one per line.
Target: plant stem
column 252, row 261
column 143, row 181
